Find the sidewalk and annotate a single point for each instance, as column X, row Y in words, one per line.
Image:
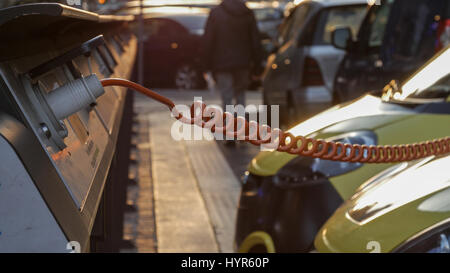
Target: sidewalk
column 193, row 190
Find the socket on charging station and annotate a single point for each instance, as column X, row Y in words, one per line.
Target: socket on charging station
column 62, row 102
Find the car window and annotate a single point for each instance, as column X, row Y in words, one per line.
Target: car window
column 430, row 82
column 411, row 33
column 332, row 18
column 378, row 22
column 284, row 29
column 299, row 20
column 192, row 23
column 267, row 14
column 293, row 24
column 371, row 33
column 162, row 28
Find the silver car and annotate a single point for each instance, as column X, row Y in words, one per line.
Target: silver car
column 302, row 70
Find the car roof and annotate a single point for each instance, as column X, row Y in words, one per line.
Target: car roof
column 332, row 3
column 261, row 5
column 173, row 2
column 169, row 11
column 169, row 7
column 190, row 18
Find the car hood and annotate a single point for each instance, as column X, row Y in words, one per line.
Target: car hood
column 392, row 210
column 366, row 113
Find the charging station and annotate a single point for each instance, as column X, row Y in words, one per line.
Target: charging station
column 64, row 154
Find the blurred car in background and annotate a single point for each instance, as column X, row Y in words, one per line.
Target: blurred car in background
column 172, row 47
column 172, row 44
column 304, row 65
column 269, row 17
column 172, row 38
column 286, row 198
column 395, row 39
column 403, row 209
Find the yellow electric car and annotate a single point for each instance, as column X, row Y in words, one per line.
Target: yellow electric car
column 406, row 208
column 286, row 198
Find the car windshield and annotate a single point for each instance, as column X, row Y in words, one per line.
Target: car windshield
column 192, row 23
column 440, row 89
column 267, row 14
column 431, row 82
column 371, row 33
column 412, row 31
column 293, row 24
column 193, row 19
column 332, row 18
column 378, row 21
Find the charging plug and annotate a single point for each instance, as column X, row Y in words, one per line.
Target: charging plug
column 74, row 96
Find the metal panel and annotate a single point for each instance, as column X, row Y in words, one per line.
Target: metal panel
column 26, row 224
column 71, row 181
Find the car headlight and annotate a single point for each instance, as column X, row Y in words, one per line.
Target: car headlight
column 314, row 168
column 333, row 168
column 432, row 240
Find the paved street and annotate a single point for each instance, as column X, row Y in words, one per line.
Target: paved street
column 186, row 192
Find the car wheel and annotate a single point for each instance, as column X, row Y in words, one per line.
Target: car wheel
column 187, row 77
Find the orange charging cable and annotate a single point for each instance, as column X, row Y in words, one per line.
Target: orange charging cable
column 300, row 145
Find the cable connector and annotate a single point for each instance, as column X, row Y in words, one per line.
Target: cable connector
column 74, row 96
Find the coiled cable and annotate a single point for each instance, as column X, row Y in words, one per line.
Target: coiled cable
column 297, row 145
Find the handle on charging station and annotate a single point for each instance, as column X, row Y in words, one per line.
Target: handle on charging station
column 85, row 49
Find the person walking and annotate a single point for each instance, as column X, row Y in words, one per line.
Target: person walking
column 232, row 49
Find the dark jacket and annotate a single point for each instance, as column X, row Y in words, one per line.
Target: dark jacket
column 232, row 39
